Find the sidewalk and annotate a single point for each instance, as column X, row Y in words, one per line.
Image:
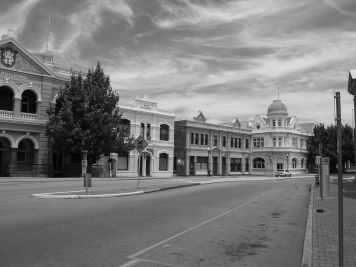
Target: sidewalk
column 325, row 227
column 115, row 187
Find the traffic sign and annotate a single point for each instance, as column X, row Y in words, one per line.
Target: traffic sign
column 140, row 143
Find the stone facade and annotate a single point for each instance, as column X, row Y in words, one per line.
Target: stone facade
column 203, row 148
column 143, row 117
column 279, row 141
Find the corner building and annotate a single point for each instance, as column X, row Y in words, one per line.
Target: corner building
column 28, row 84
column 279, row 141
column 143, row 117
column 203, row 148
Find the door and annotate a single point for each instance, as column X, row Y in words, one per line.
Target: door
column 215, row 165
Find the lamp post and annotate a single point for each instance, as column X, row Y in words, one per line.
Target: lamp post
column 287, row 161
column 352, row 90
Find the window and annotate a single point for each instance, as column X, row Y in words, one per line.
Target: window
column 123, row 160
column 192, row 138
column 274, row 141
column 202, row 163
column 164, row 132
column 202, row 139
column 258, row 142
column 280, row 139
column 273, row 122
column 148, row 131
column 163, row 162
column 124, row 126
column 224, row 141
column 232, row 142
column 258, row 126
column 294, row 163
column 235, row 164
column 6, row 99
column 215, row 140
column 196, row 139
column 75, row 158
column 142, row 129
column 238, row 142
column 279, row 122
column 247, row 145
column 28, row 102
column 259, row 163
column 294, row 142
column 206, row 139
column 302, row 163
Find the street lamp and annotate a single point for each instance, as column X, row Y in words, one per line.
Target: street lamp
column 352, row 90
column 287, row 162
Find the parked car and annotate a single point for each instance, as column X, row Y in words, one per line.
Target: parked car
column 283, row 173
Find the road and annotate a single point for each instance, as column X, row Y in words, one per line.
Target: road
column 226, row 224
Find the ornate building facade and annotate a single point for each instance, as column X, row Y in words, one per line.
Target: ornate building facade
column 279, row 141
column 28, row 84
column 202, row 148
column 143, row 117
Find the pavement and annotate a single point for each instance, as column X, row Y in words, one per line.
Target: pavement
column 324, row 221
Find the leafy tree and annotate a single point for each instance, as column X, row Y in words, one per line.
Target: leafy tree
column 85, row 117
column 328, row 138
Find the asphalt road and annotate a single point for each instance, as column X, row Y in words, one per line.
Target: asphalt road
column 226, row 224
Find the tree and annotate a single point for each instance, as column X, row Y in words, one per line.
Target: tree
column 85, row 117
column 328, row 138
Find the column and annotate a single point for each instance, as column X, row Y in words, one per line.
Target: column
column 228, row 159
column 210, row 162
column 243, row 165
column 13, row 162
column 36, row 164
column 113, row 157
column 17, row 107
column 38, row 109
column 186, row 164
column 220, row 164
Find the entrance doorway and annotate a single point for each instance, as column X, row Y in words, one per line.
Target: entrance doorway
column 5, row 156
column 215, row 165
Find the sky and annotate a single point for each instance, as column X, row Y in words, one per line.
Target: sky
column 225, row 58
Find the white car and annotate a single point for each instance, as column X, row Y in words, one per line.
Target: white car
column 283, row 173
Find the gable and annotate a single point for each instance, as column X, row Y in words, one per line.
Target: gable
column 14, row 57
column 200, row 117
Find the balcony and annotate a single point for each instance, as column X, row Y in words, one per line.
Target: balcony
column 5, row 114
column 29, row 116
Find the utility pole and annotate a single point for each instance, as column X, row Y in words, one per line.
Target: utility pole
column 340, row 184
column 352, row 90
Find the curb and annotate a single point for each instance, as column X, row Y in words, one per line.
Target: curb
column 308, row 239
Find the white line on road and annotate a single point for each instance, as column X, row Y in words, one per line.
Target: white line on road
column 133, row 256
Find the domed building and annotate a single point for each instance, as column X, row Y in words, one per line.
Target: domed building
column 279, row 141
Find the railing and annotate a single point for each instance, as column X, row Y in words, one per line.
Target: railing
column 6, row 114
column 28, row 116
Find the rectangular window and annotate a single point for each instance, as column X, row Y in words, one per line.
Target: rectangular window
column 206, row 139
column 273, row 122
column 274, row 141
column 202, row 163
column 294, row 142
column 192, row 138
column 247, row 145
column 215, row 140
column 148, row 131
column 142, row 130
column 224, row 141
column 279, row 122
column 123, row 161
column 202, row 139
column 197, row 139
column 258, row 142
column 279, row 141
column 235, row 164
column 232, row 142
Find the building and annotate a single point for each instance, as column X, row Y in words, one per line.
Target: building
column 203, row 148
column 28, row 84
column 143, row 117
column 279, row 141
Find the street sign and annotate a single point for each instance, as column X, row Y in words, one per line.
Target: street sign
column 140, row 143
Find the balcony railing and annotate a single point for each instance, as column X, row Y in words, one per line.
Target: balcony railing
column 6, row 114
column 29, row 116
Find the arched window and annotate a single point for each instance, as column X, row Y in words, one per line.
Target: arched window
column 6, row 99
column 259, row 163
column 28, row 102
column 302, row 163
column 163, row 162
column 164, row 132
column 124, row 126
column 294, row 163
column 26, row 152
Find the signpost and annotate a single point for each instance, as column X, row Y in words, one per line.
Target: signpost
column 140, row 144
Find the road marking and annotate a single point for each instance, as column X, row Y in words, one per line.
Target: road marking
column 134, row 256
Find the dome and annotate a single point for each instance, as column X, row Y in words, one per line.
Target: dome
column 277, row 108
